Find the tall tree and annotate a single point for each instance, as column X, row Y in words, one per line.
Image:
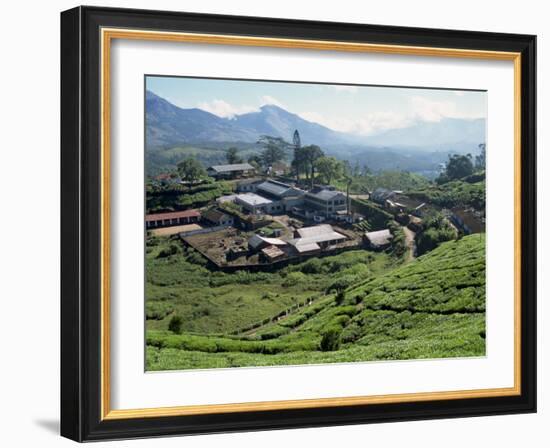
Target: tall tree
column 232, row 156
column 459, row 166
column 300, row 163
column 311, row 154
column 275, row 149
column 256, row 161
column 191, row 170
column 480, row 158
column 329, row 168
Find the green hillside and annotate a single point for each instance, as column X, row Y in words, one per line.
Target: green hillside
column 433, row 307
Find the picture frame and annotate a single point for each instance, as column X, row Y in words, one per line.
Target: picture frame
column 86, row 37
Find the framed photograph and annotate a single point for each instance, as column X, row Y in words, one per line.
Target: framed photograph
column 278, row 224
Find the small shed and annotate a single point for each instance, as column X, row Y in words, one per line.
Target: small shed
column 378, row 240
column 272, row 253
column 218, row 218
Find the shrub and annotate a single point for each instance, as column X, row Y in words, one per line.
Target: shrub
column 331, row 339
column 294, row 278
column 313, row 266
column 157, row 310
column 172, row 249
column 342, row 283
column 175, row 324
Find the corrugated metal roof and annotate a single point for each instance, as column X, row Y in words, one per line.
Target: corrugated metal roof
column 326, row 195
column 233, row 167
column 380, row 237
column 253, row 199
column 306, row 232
column 277, row 189
column 303, row 246
column 272, row 252
column 215, row 215
column 256, row 241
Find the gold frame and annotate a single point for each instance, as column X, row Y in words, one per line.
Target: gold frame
column 107, row 35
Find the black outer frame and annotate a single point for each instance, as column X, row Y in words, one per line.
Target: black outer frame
column 80, row 224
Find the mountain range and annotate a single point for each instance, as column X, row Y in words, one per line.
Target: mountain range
column 168, row 125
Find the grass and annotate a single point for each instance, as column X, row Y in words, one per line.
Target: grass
column 211, row 302
column 433, row 307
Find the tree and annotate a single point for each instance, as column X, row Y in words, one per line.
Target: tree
column 191, row 170
column 329, row 168
column 232, row 157
column 311, row 154
column 480, row 159
column 356, row 169
column 175, row 324
column 275, row 149
column 256, row 162
column 272, row 154
column 331, row 339
column 299, row 163
column 459, row 166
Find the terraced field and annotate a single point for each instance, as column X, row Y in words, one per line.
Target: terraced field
column 357, row 306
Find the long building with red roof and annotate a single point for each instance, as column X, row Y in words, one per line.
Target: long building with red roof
column 172, row 218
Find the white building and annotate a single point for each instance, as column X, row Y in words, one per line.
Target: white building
column 310, row 239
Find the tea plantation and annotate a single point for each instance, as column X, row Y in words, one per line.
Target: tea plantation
column 356, row 306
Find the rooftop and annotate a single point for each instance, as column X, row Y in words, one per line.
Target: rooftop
column 257, row 240
column 381, row 194
column 278, row 189
column 172, row 215
column 316, row 234
column 215, row 215
column 234, row 167
column 474, row 220
column 380, row 237
column 304, row 246
column 272, row 252
column 253, row 199
column 306, row 232
column 325, row 195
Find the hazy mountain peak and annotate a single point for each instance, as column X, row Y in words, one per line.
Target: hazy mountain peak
column 170, row 125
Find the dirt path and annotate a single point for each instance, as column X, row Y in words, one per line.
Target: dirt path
column 409, row 239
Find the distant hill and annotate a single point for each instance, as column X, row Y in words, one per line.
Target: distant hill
column 169, row 125
column 276, row 121
column 448, row 134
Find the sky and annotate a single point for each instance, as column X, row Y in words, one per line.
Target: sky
column 363, row 110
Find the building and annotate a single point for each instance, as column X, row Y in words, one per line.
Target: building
column 272, row 253
column 468, row 220
column 218, row 218
column 226, row 198
column 269, row 196
column 315, row 238
column 258, row 242
column 325, row 201
column 378, row 240
column 254, row 203
column 381, row 195
column 248, row 185
column 156, row 220
column 231, row 171
column 284, row 196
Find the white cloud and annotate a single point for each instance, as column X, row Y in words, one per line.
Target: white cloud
column 266, row 99
column 223, row 109
column 432, row 110
column 368, row 124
